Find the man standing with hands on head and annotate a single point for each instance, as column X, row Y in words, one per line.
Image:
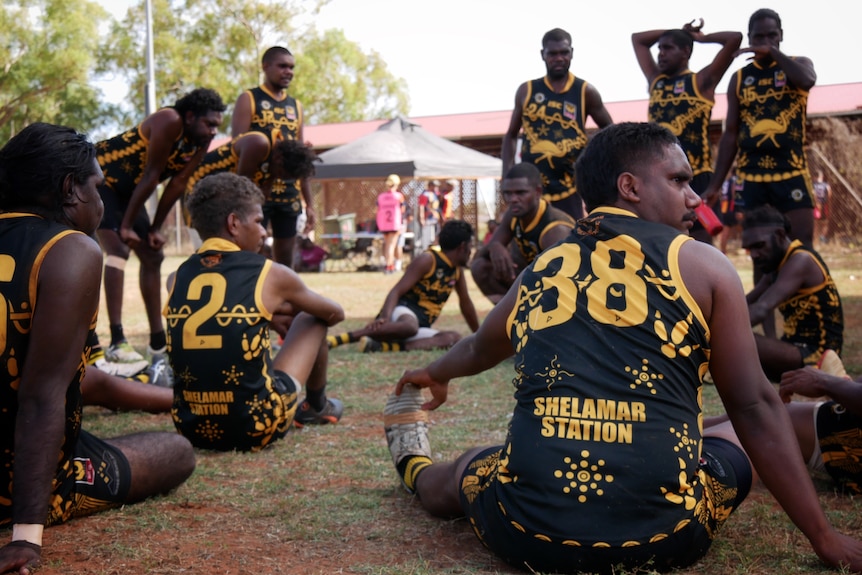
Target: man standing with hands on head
column 270, row 110
column 765, row 129
column 682, row 100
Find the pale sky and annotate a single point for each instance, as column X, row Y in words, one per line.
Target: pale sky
column 462, row 56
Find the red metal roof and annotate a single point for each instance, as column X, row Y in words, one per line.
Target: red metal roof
column 831, row 99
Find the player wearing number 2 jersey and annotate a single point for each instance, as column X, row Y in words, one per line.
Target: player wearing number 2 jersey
column 229, row 393
column 606, row 464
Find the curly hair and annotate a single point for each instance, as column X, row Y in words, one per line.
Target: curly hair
column 765, row 216
column 295, row 159
column 556, row 35
column 217, row 196
column 35, row 164
column 454, row 233
column 613, row 150
column 200, row 102
column 680, row 38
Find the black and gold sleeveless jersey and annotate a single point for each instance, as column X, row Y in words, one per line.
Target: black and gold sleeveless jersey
column 554, row 134
column 224, row 159
column 25, row 240
column 813, row 317
column 610, row 349
column 218, row 343
column 772, row 120
column 527, row 236
column 427, row 297
column 676, row 103
column 278, row 119
column 123, row 158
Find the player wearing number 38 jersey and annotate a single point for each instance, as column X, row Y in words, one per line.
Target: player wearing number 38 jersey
column 229, row 393
column 607, row 464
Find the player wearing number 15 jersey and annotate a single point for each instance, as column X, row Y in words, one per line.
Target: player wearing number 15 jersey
column 229, row 393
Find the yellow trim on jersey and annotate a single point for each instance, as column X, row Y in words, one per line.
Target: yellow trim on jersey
column 682, row 289
column 258, row 290
column 218, row 245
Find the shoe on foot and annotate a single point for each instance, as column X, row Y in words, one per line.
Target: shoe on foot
column 124, row 370
column 369, row 345
column 406, row 425
column 122, row 352
column 307, row 415
column 160, row 371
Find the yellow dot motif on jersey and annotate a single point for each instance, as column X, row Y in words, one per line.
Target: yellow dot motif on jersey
column 232, row 376
column 583, row 477
column 554, row 373
column 644, row 377
column 685, row 444
column 209, row 431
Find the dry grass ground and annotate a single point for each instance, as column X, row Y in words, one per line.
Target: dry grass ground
column 326, row 500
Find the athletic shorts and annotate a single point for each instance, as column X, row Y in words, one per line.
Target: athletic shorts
column 99, row 480
column 282, row 218
column 728, row 480
column 839, row 438
column 115, row 208
column 423, row 333
column 808, row 354
column 785, row 196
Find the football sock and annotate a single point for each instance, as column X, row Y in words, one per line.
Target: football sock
column 410, row 467
column 158, row 340
column 392, row 346
column 316, row 398
column 340, row 339
column 117, row 335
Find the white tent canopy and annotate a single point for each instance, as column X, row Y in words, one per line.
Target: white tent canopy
column 404, row 148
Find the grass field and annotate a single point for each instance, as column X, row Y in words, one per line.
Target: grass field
column 327, row 500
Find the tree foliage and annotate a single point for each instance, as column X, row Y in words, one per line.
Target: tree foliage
column 47, row 50
column 217, row 44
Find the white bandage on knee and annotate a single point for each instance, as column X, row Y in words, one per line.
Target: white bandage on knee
column 115, row 262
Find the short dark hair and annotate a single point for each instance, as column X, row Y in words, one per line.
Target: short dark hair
column 765, row 216
column 454, row 233
column 271, row 53
column 36, row 162
column 616, row 149
column 217, row 196
column 200, row 102
column 762, row 14
column 680, row 38
column 296, row 159
column 526, row 170
column 556, row 35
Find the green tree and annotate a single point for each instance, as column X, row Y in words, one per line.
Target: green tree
column 217, row 44
column 48, row 50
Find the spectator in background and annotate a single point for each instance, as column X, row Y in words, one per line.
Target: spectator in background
column 311, row 256
column 492, row 227
column 429, row 214
column 447, row 199
column 822, row 199
column 390, row 207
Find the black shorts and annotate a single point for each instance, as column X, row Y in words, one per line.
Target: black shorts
column 99, row 480
column 115, row 208
column 785, row 196
column 282, row 218
column 839, row 434
column 728, row 477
